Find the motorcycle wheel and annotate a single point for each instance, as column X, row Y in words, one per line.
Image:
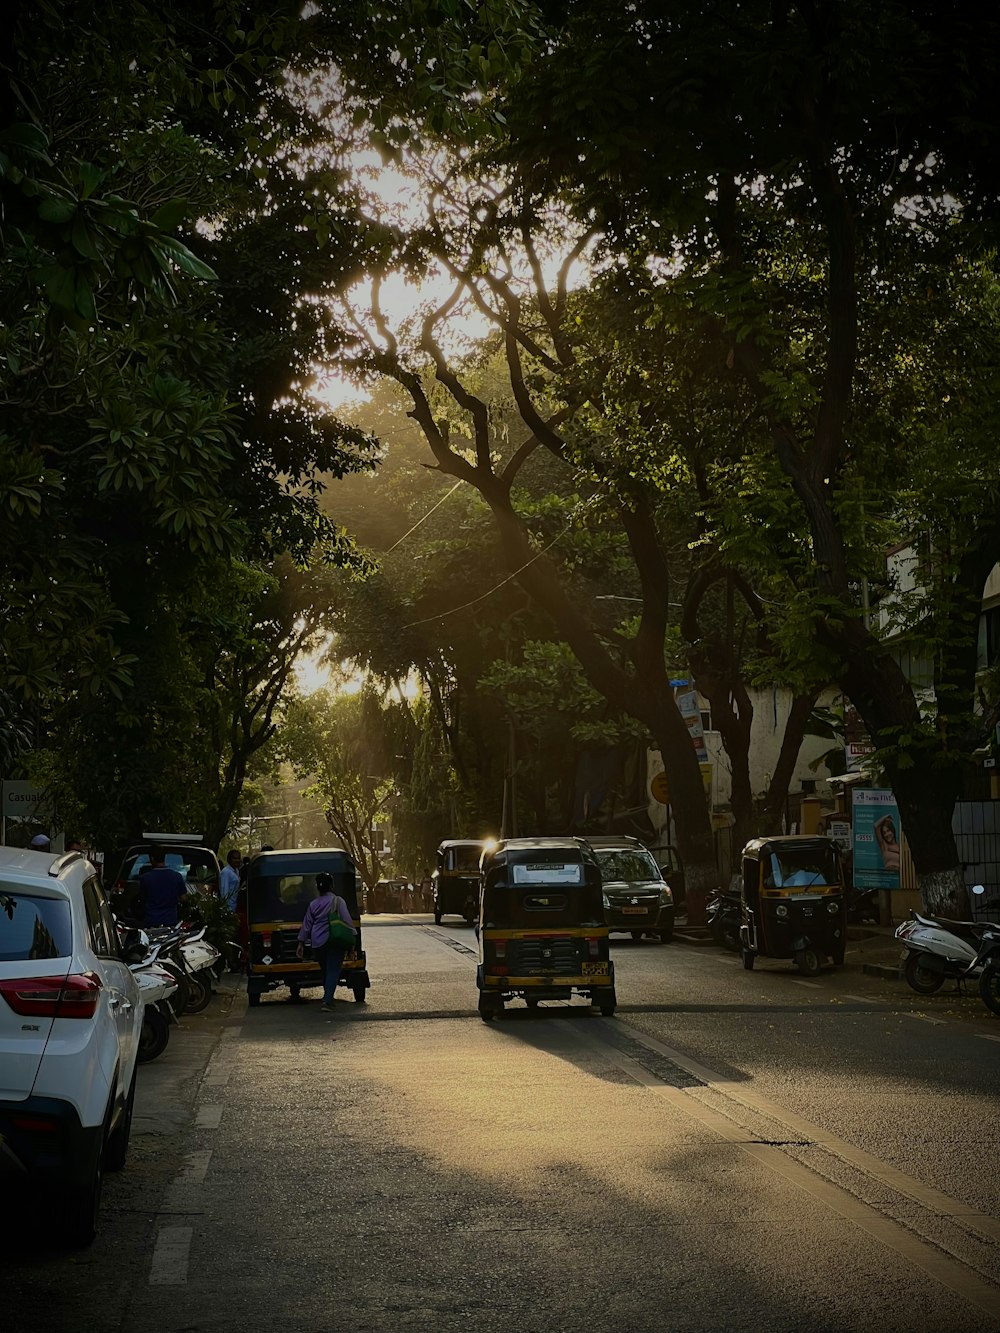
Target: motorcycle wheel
column 922, row 979
column 201, row 993
column 154, row 1036
column 989, row 988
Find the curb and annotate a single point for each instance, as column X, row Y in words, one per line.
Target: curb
column 693, row 936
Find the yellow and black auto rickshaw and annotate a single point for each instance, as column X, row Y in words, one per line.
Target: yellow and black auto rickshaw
column 542, row 933
column 793, row 901
column 455, row 881
column 279, row 887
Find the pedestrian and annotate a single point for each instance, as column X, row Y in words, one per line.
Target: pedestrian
column 74, row 845
column 160, row 891
column 41, row 842
column 315, row 933
column 229, row 880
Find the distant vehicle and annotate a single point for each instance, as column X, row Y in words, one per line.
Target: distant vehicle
column 455, row 881
column 70, row 1022
column 542, row 933
column 390, row 895
column 198, row 865
column 638, row 899
column 279, row 888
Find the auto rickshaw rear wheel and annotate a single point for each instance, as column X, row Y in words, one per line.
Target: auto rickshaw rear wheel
column 253, row 998
column 359, row 995
column 607, row 1003
column 747, row 955
column 487, row 1009
column 808, row 962
column 531, row 1001
column 437, row 917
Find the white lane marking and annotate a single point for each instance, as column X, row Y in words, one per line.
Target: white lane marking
column 216, row 1081
column 208, row 1117
column 926, row 1018
column 730, row 962
column 813, row 985
column 986, row 1036
column 169, row 1267
column 195, row 1169
column 862, row 999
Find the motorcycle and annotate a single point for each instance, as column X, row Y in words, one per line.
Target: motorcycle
column 723, row 915
column 940, row 950
column 189, row 953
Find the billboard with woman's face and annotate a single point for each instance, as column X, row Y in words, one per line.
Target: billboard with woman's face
column 876, row 838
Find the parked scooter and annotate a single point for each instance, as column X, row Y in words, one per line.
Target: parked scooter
column 190, row 954
column 157, row 986
column 942, row 949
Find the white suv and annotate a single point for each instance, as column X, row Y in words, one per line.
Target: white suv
column 70, row 1019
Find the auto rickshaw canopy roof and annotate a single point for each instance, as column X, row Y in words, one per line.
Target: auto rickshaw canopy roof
column 789, row 842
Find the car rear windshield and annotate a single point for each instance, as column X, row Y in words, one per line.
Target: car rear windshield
column 33, row 927
column 195, row 865
column 627, row 865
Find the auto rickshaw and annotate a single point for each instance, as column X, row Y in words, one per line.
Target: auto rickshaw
column 792, row 901
column 455, row 882
column 542, row 933
column 279, row 887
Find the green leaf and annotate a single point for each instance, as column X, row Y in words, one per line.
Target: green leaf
column 52, row 208
column 171, row 214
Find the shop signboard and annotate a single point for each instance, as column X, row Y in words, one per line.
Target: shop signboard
column 876, row 838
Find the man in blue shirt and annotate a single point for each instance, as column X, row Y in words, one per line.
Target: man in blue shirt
column 160, row 891
column 229, row 880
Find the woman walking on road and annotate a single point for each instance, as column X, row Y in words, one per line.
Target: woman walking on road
column 315, row 934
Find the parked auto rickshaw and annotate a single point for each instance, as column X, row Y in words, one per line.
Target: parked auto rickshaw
column 455, row 882
column 279, row 887
column 542, row 933
column 793, row 901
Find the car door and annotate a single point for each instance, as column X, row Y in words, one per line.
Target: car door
column 124, row 1003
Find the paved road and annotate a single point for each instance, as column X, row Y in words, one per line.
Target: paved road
column 732, row 1150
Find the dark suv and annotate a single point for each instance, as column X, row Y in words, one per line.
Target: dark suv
column 638, row 895
column 199, row 866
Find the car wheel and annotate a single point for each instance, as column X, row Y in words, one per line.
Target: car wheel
column 200, row 993
column 636, row 934
column 116, row 1148
column 665, row 936
column 154, row 1036
column 79, row 1210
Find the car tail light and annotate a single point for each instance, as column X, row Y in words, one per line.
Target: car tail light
column 34, row 1124
column 501, row 948
column 592, row 947
column 75, row 996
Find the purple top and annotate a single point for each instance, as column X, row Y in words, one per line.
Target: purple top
column 315, row 931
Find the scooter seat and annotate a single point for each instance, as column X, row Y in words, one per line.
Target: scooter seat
column 969, row 930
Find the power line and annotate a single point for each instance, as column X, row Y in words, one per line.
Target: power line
column 427, row 515
column 503, row 582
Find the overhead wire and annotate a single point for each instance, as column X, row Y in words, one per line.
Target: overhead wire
column 424, row 516
column 442, row 615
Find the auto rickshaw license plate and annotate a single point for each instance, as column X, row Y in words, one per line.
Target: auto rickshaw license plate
column 595, row 970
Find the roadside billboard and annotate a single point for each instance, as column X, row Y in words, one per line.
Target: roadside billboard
column 876, row 838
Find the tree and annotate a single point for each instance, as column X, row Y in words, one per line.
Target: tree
column 325, row 739
column 796, row 168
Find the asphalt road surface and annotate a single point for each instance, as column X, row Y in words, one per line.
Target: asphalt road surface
column 732, row 1150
